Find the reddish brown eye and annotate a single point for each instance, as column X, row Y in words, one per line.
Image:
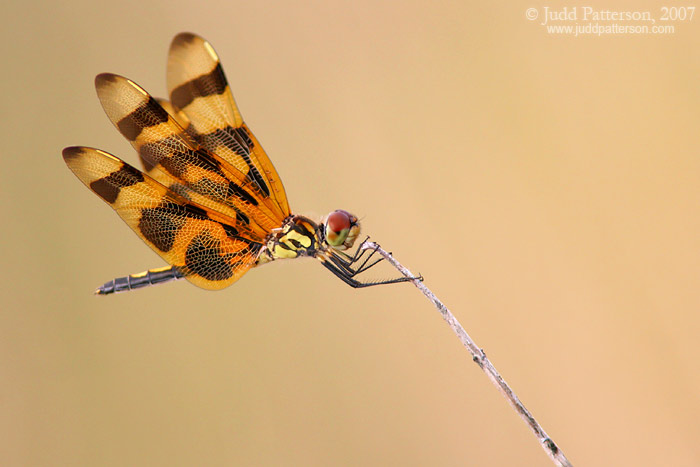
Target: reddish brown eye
column 338, row 221
column 341, row 229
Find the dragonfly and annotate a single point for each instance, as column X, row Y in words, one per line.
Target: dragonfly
column 209, row 200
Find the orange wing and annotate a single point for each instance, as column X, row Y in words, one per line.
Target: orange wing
column 199, row 90
column 210, row 249
column 173, row 158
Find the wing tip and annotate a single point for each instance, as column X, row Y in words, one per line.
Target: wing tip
column 104, row 79
column 113, row 90
column 72, row 152
column 185, row 38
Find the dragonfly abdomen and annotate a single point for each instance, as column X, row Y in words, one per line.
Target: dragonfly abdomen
column 143, row 279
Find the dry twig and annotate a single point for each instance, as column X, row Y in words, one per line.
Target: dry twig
column 480, row 359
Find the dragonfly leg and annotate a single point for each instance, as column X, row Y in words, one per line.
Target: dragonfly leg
column 348, row 262
column 346, row 271
column 348, row 278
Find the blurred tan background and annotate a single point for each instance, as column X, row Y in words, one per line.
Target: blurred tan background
column 545, row 186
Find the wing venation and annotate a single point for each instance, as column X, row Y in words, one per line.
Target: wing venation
column 207, row 247
column 199, row 89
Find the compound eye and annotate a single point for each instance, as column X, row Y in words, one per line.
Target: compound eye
column 339, row 225
column 338, row 221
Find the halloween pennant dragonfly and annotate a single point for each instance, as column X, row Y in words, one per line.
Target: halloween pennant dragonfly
column 209, row 202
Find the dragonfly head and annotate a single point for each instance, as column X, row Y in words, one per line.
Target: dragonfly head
column 341, row 229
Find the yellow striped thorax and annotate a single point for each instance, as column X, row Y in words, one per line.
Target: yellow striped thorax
column 300, row 236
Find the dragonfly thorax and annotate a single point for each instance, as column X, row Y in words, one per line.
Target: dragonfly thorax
column 300, row 236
